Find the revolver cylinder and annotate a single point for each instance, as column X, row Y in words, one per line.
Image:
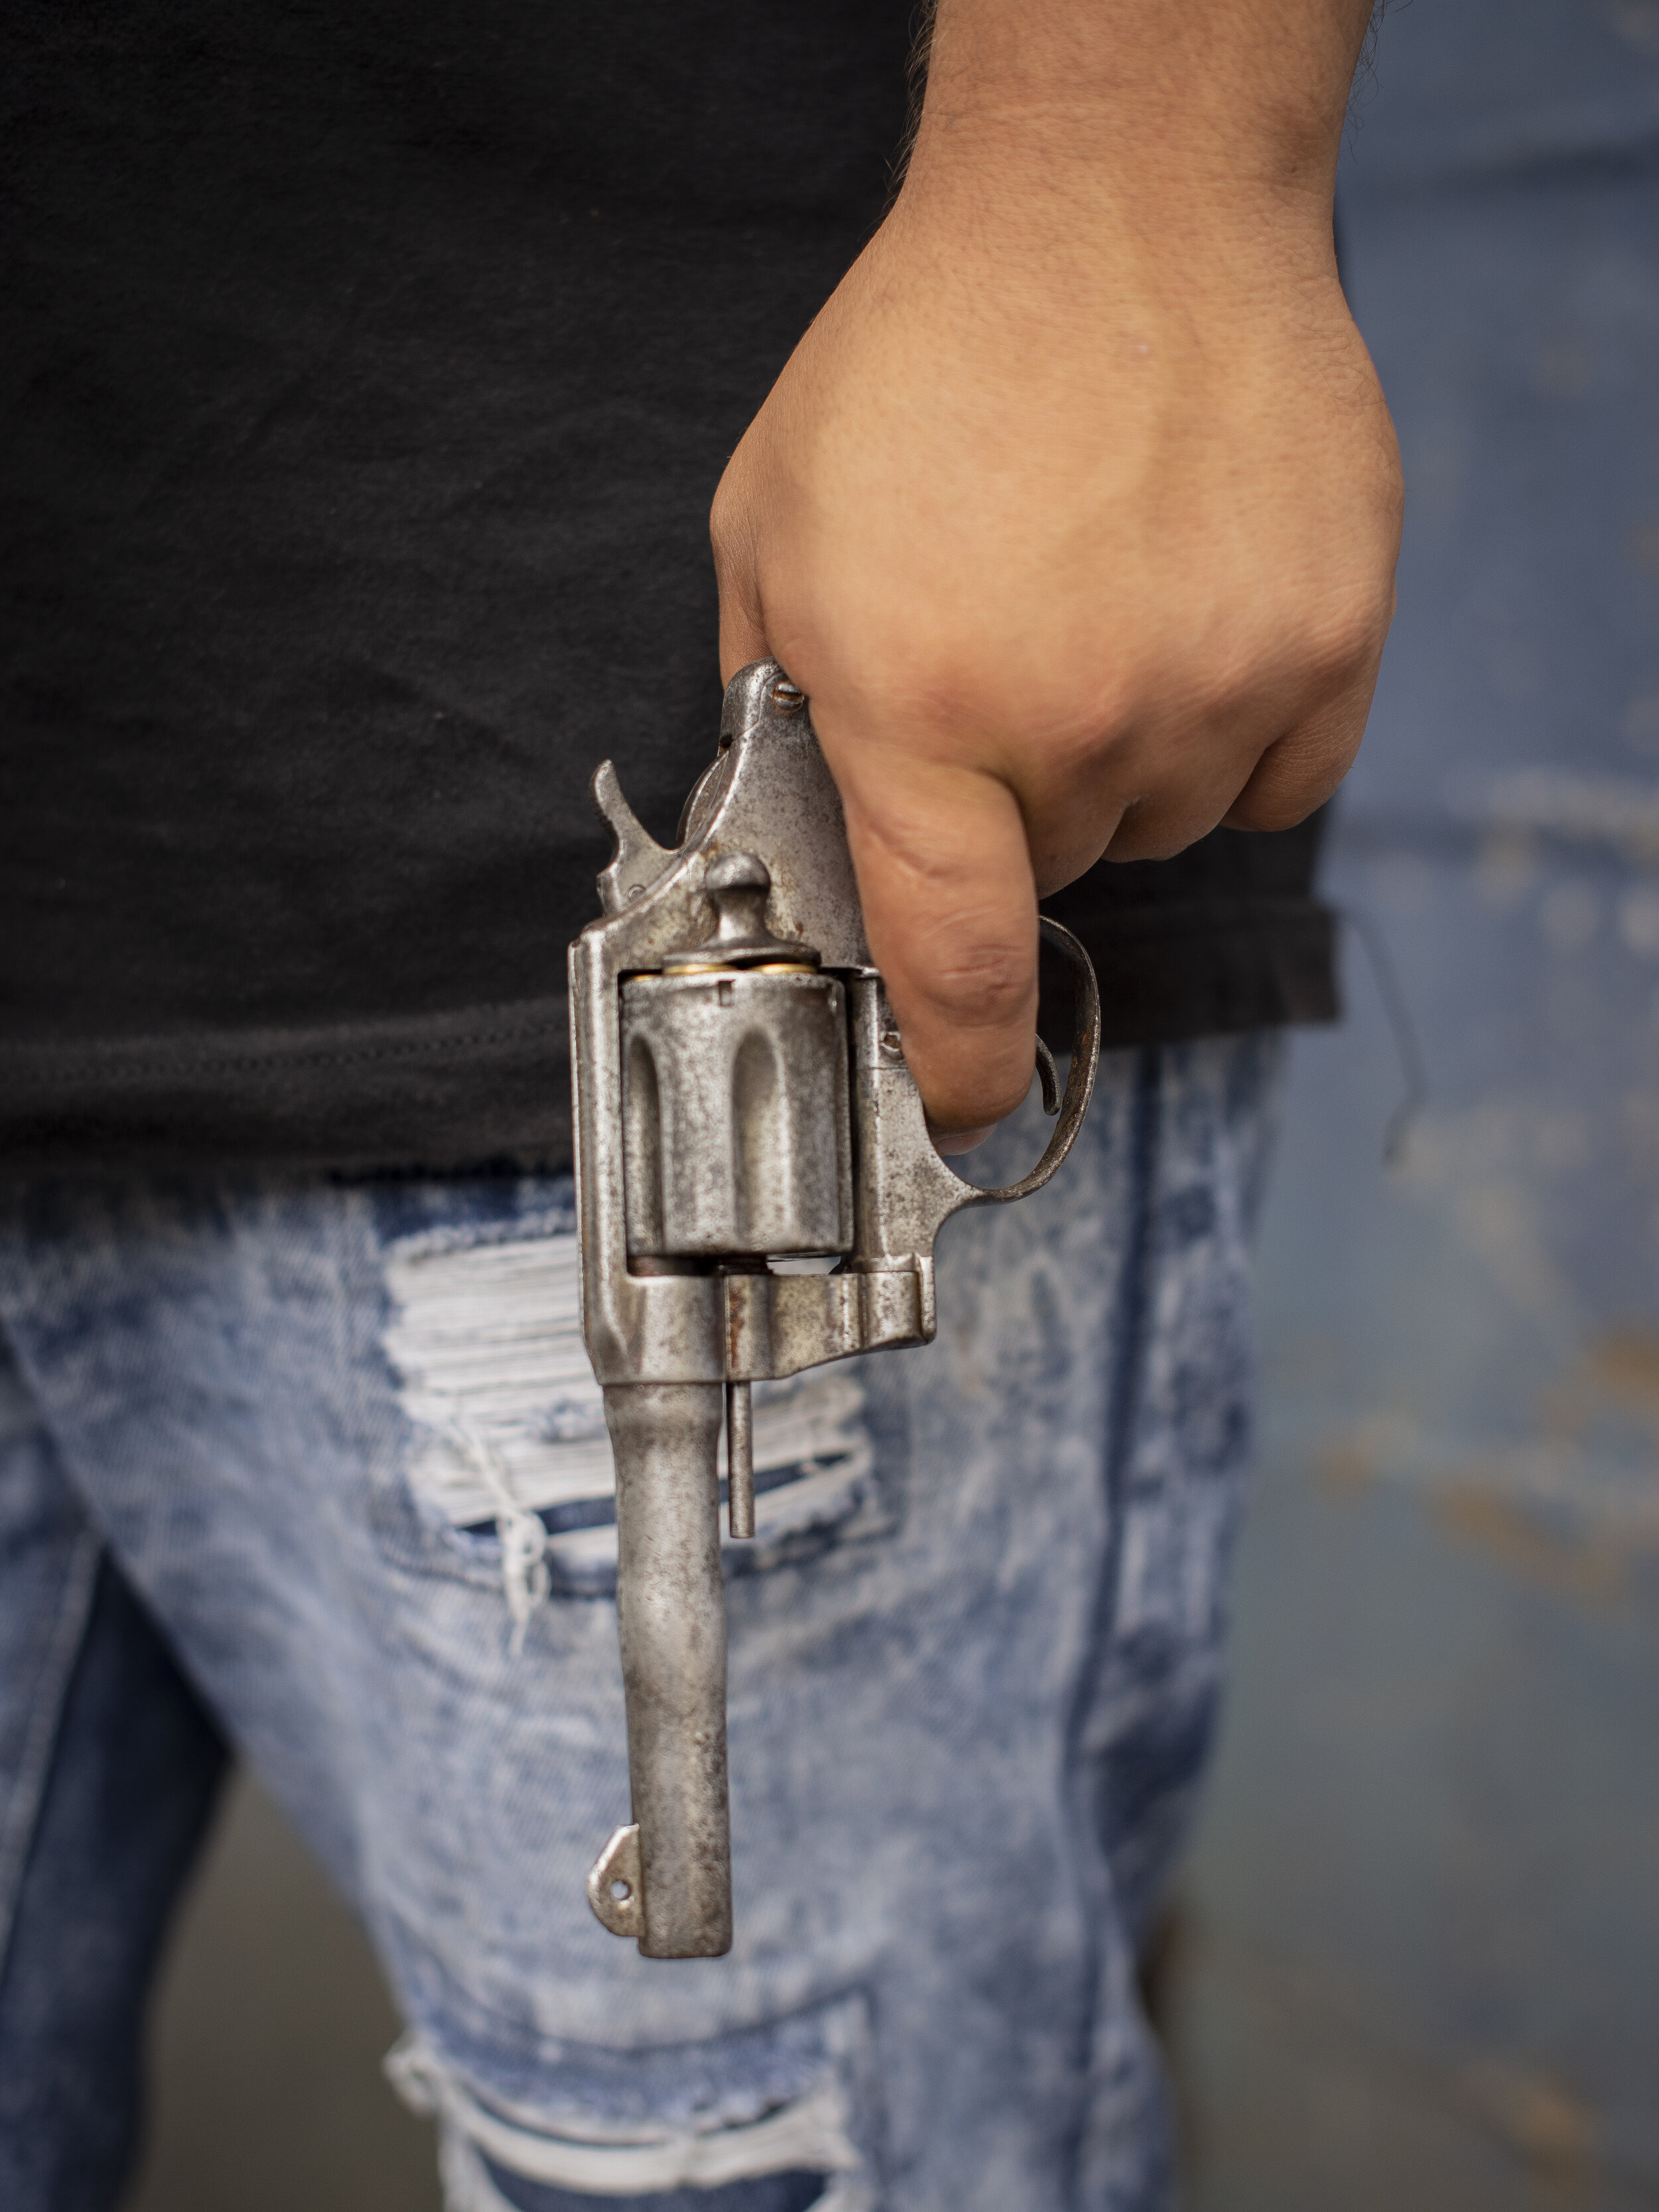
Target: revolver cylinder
column 737, row 1136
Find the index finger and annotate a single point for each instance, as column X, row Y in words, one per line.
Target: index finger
column 949, row 905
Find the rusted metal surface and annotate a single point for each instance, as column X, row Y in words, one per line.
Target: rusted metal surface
column 737, row 1117
column 741, row 1096
column 740, row 1460
column 671, row 1617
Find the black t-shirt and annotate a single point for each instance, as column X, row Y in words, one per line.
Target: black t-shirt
column 370, row 369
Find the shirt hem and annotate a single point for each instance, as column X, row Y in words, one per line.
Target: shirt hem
column 489, row 1087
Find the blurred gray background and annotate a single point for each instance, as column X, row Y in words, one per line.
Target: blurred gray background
column 268, row 2028
column 1414, row 1961
column 1417, row 1959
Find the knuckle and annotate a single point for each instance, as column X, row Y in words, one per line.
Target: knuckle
column 1353, row 638
column 724, row 529
column 730, row 522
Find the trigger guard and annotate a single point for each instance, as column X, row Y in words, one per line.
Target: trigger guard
column 1079, row 1081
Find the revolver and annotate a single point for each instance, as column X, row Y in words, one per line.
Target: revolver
column 741, row 1096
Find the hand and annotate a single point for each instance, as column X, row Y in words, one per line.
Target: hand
column 1076, row 511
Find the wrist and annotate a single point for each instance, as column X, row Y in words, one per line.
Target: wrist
column 1160, row 116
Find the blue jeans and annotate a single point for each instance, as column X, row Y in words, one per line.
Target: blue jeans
column 317, row 1465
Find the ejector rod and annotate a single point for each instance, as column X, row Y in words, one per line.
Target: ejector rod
column 671, row 1607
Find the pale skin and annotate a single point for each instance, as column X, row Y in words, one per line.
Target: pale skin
column 1076, row 511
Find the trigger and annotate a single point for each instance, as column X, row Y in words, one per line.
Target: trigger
column 1048, row 1075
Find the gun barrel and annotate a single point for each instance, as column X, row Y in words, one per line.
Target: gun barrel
column 670, row 1608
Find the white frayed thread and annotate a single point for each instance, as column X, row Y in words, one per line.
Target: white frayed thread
column 490, row 1335
column 526, row 1580
column 810, row 2133
column 467, row 2186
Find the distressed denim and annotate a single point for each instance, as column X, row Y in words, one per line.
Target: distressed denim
column 337, row 1442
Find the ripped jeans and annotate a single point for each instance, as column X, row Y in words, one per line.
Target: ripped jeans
column 320, row 1464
